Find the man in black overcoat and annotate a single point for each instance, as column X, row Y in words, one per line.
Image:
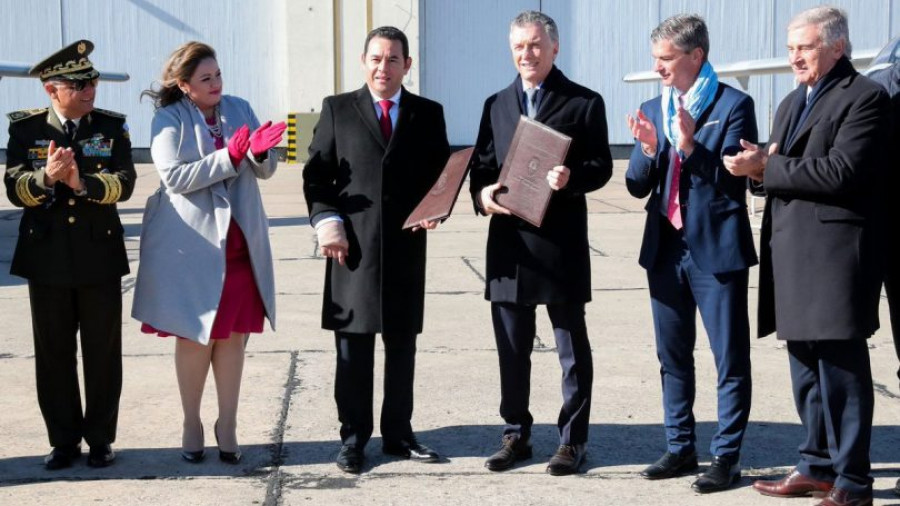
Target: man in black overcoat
column 820, row 264
column 374, row 155
column 548, row 265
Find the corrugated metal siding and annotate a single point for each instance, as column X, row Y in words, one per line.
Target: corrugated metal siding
column 465, row 54
column 466, row 57
column 136, row 36
column 602, row 40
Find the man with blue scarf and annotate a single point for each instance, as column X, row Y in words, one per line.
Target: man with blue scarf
column 697, row 246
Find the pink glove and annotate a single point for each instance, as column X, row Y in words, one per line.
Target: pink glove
column 238, row 145
column 266, row 137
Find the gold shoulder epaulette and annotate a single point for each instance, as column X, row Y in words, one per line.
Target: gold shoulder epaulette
column 106, row 112
column 24, row 113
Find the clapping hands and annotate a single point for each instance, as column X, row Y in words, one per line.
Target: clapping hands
column 238, row 145
column 266, row 137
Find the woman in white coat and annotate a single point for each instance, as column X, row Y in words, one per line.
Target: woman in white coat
column 205, row 272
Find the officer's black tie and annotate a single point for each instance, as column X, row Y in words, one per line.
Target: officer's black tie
column 70, row 130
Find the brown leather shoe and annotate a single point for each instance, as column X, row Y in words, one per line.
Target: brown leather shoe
column 840, row 497
column 566, row 460
column 512, row 449
column 793, row 485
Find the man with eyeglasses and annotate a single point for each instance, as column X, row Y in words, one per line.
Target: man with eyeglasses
column 67, row 166
column 820, row 265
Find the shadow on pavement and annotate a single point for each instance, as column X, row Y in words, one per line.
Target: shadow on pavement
column 767, row 445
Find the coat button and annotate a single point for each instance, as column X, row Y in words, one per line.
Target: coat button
column 71, row 219
column 108, row 232
column 71, row 202
column 30, row 230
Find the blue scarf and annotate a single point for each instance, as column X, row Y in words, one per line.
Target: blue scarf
column 696, row 100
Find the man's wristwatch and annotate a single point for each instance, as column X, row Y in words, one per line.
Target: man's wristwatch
column 83, row 191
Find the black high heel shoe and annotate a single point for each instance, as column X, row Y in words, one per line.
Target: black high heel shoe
column 226, row 457
column 194, row 457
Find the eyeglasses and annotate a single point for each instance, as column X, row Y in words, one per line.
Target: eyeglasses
column 80, row 84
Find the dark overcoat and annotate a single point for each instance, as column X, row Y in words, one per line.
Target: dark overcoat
column 820, row 267
column 374, row 186
column 549, row 264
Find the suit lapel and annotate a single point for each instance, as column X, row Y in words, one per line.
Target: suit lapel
column 842, row 69
column 511, row 101
column 366, row 111
column 553, row 97
column 405, row 115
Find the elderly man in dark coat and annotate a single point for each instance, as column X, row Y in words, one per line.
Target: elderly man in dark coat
column 820, row 270
column 374, row 154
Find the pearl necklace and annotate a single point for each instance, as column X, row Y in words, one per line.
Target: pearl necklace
column 216, row 129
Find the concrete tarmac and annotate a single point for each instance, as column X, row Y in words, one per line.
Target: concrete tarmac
column 287, row 424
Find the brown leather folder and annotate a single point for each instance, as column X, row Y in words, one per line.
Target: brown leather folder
column 439, row 201
column 534, row 150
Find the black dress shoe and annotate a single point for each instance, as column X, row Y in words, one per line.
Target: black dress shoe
column 723, row 472
column 195, row 457
column 101, row 456
column 670, row 465
column 410, row 449
column 566, row 460
column 512, row 449
column 61, row 457
column 350, row 459
column 226, row 457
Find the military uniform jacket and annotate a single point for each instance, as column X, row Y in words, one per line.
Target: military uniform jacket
column 65, row 239
column 374, row 185
column 550, row 264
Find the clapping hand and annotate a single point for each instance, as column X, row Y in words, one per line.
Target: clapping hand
column 643, row 130
column 750, row 162
column 60, row 162
column 686, row 128
column 238, row 145
column 266, row 137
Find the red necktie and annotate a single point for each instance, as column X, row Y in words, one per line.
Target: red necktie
column 386, row 128
column 673, row 210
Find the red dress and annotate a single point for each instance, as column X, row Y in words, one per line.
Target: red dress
column 241, row 308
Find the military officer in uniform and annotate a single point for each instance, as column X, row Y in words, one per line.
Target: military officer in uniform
column 67, row 166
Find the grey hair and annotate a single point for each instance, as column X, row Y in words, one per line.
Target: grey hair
column 832, row 23
column 526, row 18
column 685, row 31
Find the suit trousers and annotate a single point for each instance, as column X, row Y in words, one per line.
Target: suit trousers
column 678, row 289
column 514, row 330
column 353, row 386
column 832, row 383
column 58, row 315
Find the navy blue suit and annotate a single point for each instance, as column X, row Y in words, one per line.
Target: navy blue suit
column 703, row 266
